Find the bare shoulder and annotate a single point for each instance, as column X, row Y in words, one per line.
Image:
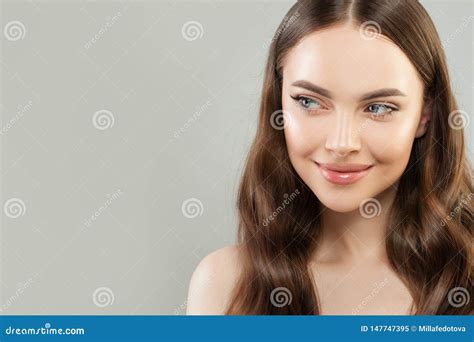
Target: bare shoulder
column 212, row 282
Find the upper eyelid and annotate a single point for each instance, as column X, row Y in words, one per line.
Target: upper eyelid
column 299, row 97
column 388, row 105
column 382, row 102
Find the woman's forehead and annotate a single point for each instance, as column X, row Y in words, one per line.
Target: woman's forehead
column 341, row 58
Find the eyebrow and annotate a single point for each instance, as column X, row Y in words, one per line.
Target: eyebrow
column 385, row 92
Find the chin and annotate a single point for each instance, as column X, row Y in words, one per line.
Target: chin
column 344, row 198
column 341, row 204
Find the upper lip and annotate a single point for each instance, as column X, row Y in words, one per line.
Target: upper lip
column 344, row 167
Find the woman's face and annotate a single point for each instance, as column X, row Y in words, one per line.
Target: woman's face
column 349, row 99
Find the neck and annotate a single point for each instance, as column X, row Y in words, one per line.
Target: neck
column 355, row 235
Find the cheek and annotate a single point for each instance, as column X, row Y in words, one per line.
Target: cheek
column 298, row 139
column 390, row 146
column 303, row 134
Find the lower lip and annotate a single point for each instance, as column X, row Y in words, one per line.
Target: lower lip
column 342, row 178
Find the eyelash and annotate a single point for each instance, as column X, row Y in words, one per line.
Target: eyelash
column 390, row 109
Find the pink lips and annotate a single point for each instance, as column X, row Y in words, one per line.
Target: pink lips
column 343, row 174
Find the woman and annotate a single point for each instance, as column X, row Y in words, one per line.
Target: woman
column 357, row 195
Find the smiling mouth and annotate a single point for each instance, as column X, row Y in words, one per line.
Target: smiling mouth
column 343, row 174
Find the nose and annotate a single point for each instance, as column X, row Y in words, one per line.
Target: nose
column 343, row 137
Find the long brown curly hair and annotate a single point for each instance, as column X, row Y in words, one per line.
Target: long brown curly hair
column 429, row 236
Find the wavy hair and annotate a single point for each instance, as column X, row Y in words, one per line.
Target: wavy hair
column 429, row 235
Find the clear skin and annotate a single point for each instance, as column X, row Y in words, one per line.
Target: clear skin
column 350, row 268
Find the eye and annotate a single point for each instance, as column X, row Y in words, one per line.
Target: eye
column 379, row 110
column 307, row 103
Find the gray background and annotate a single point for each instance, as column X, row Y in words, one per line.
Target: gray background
column 184, row 114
